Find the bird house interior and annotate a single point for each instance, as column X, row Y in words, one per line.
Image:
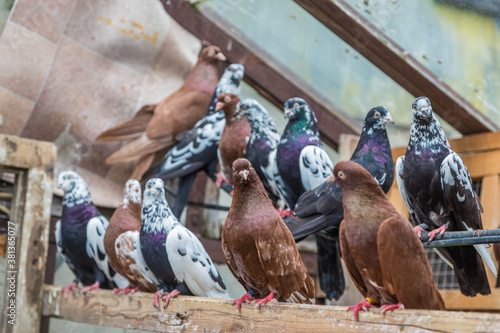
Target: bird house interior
column 73, row 69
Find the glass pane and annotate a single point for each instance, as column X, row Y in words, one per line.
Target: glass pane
column 302, row 44
column 458, row 40
column 5, row 7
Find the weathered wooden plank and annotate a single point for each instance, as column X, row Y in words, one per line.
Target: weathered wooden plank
column 476, row 143
column 194, row 314
column 27, row 250
column 379, row 49
column 271, row 79
column 454, row 300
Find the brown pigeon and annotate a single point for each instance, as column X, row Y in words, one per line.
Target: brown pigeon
column 259, row 248
column 383, row 256
column 234, row 138
column 155, row 127
column 121, row 241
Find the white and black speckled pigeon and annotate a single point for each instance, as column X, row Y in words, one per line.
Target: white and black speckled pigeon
column 174, row 254
column 437, row 189
column 197, row 149
column 80, row 237
column 262, row 147
column 302, row 162
column 320, row 210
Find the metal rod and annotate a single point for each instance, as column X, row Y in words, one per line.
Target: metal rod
column 460, row 238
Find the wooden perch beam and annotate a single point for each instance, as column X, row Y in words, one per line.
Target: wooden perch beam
column 374, row 45
column 191, row 314
column 272, row 80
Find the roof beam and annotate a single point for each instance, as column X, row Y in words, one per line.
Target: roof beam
column 272, row 80
column 374, row 45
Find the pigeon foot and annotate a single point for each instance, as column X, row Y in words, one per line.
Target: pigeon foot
column 125, row 290
column 244, row 299
column 391, row 307
column 94, row 286
column 285, row 213
column 220, row 179
column 269, row 298
column 438, row 231
column 72, row 286
column 156, row 299
column 166, row 297
column 418, row 230
column 363, row 305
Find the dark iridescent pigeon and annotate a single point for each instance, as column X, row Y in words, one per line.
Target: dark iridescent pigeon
column 437, row 189
column 320, row 210
column 80, row 237
column 174, row 254
column 302, row 162
column 262, row 147
column 197, row 149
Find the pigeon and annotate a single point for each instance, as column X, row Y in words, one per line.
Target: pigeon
column 384, row 257
column 174, row 254
column 261, row 147
column 234, row 139
column 197, row 148
column 122, row 244
column 155, row 127
column 80, row 237
column 437, row 189
column 320, row 211
column 258, row 247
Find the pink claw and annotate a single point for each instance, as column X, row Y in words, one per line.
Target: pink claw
column 437, row 231
column 125, row 290
column 167, row 296
column 363, row 305
column 72, row 286
column 156, row 298
column 285, row 213
column 244, row 299
column 392, row 307
column 269, row 298
column 94, row 286
column 220, row 179
column 418, row 230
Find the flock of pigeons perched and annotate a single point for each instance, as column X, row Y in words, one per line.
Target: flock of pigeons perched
column 284, row 188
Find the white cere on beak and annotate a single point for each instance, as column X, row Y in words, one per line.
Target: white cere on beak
column 245, row 174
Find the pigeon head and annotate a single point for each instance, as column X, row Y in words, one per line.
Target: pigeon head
column 68, row 180
column 227, row 102
column 422, row 108
column 75, row 189
column 132, row 191
column 351, row 175
column 233, row 75
column 377, row 118
column 212, row 53
column 250, row 109
column 243, row 171
column 296, row 107
column 154, row 189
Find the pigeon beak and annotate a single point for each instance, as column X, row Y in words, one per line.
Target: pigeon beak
column 158, row 189
column 288, row 113
column 331, row 179
column 220, row 56
column 244, row 174
column 389, row 120
column 219, row 106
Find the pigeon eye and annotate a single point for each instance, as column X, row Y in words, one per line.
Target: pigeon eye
column 232, row 70
column 234, row 171
column 376, row 115
column 296, row 105
column 227, row 99
column 341, row 174
column 244, row 107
